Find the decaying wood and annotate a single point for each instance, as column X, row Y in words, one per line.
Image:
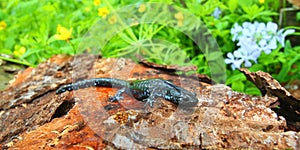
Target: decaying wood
column 288, row 106
column 34, row 117
column 31, row 102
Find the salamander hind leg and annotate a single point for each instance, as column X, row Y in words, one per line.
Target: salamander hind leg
column 149, row 102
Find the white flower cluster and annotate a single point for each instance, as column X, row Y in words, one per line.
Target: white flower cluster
column 253, row 38
column 217, row 12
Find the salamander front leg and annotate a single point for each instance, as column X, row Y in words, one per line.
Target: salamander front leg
column 118, row 96
column 150, row 100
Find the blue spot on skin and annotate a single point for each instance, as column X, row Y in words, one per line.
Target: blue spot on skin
column 61, row 90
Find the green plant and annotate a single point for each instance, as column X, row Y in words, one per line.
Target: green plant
column 27, row 27
column 30, row 37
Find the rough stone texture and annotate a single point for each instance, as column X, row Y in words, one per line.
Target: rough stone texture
column 33, row 117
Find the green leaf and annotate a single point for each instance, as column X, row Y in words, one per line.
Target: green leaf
column 238, row 86
column 222, row 25
column 234, row 78
column 27, row 7
column 245, row 2
column 256, row 67
column 214, row 56
column 298, row 16
column 9, row 43
column 6, row 51
column 252, row 91
column 232, row 5
column 288, row 47
column 286, row 67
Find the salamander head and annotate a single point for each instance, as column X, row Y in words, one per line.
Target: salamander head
column 188, row 99
column 184, row 98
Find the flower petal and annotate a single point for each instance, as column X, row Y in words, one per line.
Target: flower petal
column 237, row 63
column 272, row 27
column 248, row 63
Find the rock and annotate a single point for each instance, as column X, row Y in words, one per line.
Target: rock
column 34, row 117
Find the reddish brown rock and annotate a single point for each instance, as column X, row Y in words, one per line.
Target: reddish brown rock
column 33, row 117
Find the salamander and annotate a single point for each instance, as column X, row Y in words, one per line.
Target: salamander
column 142, row 90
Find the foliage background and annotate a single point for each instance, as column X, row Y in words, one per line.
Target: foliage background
column 33, row 31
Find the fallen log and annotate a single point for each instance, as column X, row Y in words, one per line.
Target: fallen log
column 34, row 117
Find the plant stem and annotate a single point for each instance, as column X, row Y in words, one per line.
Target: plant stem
column 16, row 61
column 292, row 27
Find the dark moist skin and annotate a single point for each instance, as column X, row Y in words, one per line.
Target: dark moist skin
column 142, row 90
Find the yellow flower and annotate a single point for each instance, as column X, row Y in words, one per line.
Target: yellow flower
column 63, row 33
column 261, row 1
column 112, row 19
column 142, row 8
column 97, row 2
column 19, row 51
column 103, row 11
column 88, row 50
column 180, row 23
column 2, row 25
column 87, row 9
column 22, row 50
column 179, row 17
